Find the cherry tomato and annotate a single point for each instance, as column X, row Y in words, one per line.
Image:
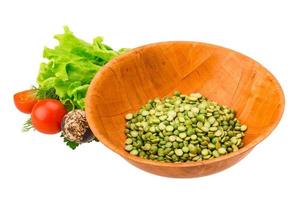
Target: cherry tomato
column 47, row 115
column 25, row 100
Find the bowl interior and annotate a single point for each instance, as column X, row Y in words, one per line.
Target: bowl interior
column 225, row 76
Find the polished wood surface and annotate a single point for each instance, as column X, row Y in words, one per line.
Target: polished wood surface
column 223, row 75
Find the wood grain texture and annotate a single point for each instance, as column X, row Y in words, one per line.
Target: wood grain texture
column 223, row 75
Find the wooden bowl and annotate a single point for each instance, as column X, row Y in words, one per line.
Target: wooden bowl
column 223, row 75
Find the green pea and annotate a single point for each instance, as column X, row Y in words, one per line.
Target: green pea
column 169, row 128
column 161, row 126
column 167, row 150
column 168, row 105
column 128, row 141
column 181, row 128
column 197, row 130
column 160, row 158
column 182, row 135
column 218, row 133
column 211, row 120
column 181, row 109
column 234, row 147
column 194, row 141
column 137, row 143
column 226, row 122
column 233, row 140
column 215, row 124
column 134, row 152
column 170, row 118
column 181, row 119
column 172, row 138
column 229, row 149
column 216, row 154
column 127, row 131
column 192, row 98
column 207, row 157
column 174, row 158
column 129, row 116
column 160, row 152
column 206, row 124
column 134, row 133
column 197, row 158
column 152, row 129
column 194, row 137
column 243, row 128
column 192, row 148
column 168, row 144
column 190, row 131
column 211, row 146
column 190, row 114
column 177, row 103
column 175, row 145
column 239, row 141
column 162, row 118
column 185, row 149
column 145, row 113
column 128, row 147
column 147, row 146
column 152, row 112
column 175, row 132
column 142, row 154
column 205, row 129
column 187, row 107
column 200, row 118
column 171, row 153
column 188, row 122
column 155, row 120
column 218, row 144
column 192, row 155
column 199, row 125
column 202, row 111
column 213, row 128
column 153, row 149
column 172, row 114
column 178, row 152
column 178, row 139
column 195, row 110
column 222, row 151
column 194, row 121
column 204, row 152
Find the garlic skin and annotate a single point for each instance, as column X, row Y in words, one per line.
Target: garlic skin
column 75, row 127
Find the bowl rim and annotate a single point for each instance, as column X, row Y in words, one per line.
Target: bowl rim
column 137, row 159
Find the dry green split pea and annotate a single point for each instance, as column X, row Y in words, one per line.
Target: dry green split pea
column 183, row 128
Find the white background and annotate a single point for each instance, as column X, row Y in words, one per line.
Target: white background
column 37, row 166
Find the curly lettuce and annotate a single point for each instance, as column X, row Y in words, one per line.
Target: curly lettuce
column 71, row 66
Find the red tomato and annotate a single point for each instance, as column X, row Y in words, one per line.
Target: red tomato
column 47, row 115
column 25, row 100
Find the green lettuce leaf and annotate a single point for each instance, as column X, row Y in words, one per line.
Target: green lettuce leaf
column 71, row 66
